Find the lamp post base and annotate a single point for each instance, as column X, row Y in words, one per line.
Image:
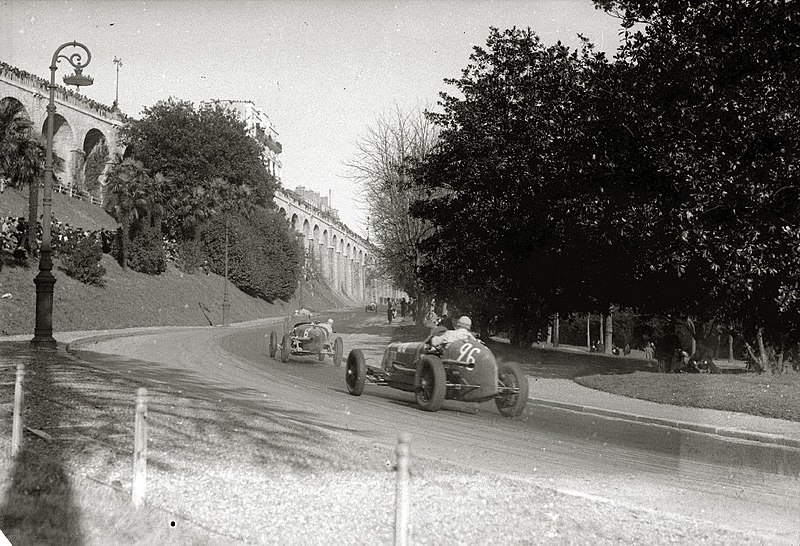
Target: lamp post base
column 226, row 307
column 43, row 332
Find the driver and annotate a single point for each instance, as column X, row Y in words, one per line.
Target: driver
column 327, row 326
column 462, row 332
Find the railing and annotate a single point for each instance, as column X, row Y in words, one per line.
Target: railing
column 77, row 194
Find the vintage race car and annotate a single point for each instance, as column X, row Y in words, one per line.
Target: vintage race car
column 464, row 370
column 371, row 307
column 303, row 336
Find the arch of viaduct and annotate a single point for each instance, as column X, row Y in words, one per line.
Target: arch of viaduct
column 341, row 255
column 80, row 123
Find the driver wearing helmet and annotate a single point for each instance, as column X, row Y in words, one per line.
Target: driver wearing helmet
column 462, row 332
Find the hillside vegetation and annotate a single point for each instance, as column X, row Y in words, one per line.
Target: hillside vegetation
column 129, row 298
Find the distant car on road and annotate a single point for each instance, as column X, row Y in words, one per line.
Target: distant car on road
column 465, row 370
column 371, row 307
column 303, row 336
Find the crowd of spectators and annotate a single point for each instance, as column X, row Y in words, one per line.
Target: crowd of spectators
column 13, row 232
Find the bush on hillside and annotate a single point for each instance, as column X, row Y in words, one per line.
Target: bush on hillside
column 81, row 261
column 146, row 252
column 190, row 255
column 263, row 253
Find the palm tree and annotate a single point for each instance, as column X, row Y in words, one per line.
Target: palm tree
column 131, row 194
column 22, row 155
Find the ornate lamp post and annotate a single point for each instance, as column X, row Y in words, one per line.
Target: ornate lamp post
column 44, row 281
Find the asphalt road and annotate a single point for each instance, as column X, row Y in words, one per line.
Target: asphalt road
column 608, row 460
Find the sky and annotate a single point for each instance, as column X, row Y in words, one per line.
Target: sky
column 323, row 70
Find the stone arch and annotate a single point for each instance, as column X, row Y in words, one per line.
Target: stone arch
column 64, row 148
column 295, row 219
column 306, row 229
column 282, row 211
column 95, row 168
column 24, row 113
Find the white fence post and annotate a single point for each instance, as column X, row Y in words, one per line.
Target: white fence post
column 140, row 449
column 16, row 427
column 401, row 515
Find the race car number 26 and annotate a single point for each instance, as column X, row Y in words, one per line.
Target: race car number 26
column 467, row 352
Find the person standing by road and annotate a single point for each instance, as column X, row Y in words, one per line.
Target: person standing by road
column 389, row 310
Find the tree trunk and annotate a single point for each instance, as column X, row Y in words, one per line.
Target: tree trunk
column 609, row 331
column 124, row 244
column 555, row 330
column 730, row 347
column 589, row 332
column 766, row 360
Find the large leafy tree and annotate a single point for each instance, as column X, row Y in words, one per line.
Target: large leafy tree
column 708, row 91
column 193, row 148
column 496, row 183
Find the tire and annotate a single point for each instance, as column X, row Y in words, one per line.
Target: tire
column 510, row 374
column 338, row 351
column 285, row 348
column 273, row 344
column 430, row 383
column 356, row 372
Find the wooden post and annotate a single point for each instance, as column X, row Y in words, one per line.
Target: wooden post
column 140, row 449
column 589, row 332
column 16, row 427
column 401, row 516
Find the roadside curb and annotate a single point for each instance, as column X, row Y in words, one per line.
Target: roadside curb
column 724, row 432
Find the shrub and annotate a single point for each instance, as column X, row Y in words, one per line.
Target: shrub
column 190, row 255
column 146, row 252
column 82, row 261
column 263, row 253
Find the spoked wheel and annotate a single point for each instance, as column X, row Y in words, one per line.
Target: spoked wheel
column 338, row 351
column 285, row 348
column 356, row 372
column 273, row 344
column 510, row 375
column 431, row 383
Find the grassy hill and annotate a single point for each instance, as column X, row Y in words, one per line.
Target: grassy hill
column 129, row 299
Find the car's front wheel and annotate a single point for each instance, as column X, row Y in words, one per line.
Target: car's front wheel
column 273, row 344
column 430, row 383
column 356, row 372
column 510, row 376
column 285, row 348
column 338, row 351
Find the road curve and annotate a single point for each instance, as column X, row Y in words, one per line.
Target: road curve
column 614, row 461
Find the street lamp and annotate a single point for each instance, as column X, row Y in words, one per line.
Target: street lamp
column 117, row 62
column 44, row 281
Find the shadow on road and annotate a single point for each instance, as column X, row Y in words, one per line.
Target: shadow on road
column 38, row 501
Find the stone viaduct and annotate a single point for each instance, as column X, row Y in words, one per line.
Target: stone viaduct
column 334, row 250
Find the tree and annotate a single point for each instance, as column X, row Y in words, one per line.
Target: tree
column 192, row 148
column 497, row 193
column 384, row 166
column 22, row 156
column 710, row 99
column 133, row 195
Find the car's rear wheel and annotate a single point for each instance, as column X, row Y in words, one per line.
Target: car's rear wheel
column 511, row 375
column 431, row 383
column 273, row 344
column 338, row 351
column 285, row 348
column 356, row 372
